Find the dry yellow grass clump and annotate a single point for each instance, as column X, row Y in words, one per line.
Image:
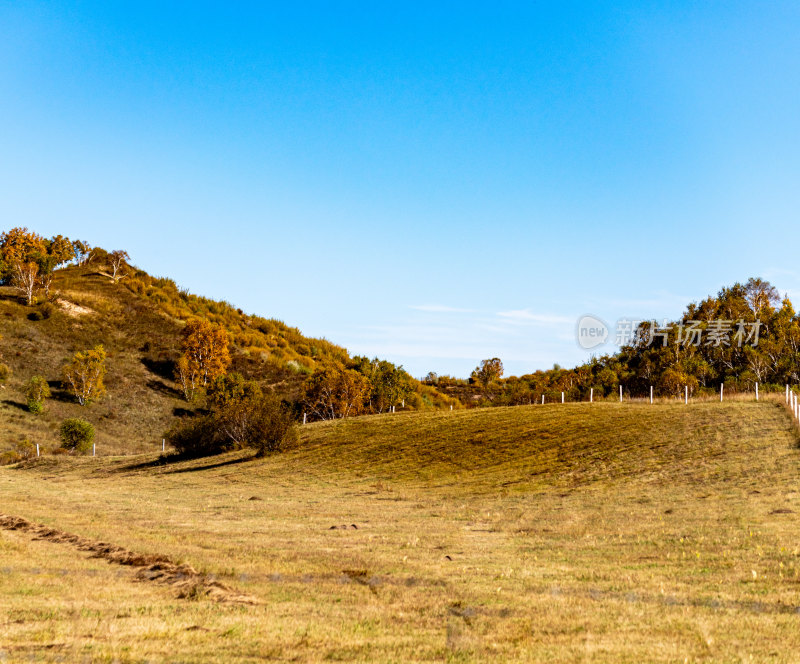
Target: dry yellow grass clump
column 591, row 533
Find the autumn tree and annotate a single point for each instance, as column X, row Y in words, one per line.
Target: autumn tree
column 20, row 251
column 389, row 385
column 488, row 372
column 431, row 378
column 761, row 296
column 25, row 277
column 82, row 252
column 85, row 374
column 117, row 260
column 57, row 252
column 335, row 392
column 205, row 356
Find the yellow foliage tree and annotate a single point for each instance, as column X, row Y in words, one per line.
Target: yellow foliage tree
column 335, row 392
column 85, row 374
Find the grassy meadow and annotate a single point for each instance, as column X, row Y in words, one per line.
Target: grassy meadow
column 575, row 533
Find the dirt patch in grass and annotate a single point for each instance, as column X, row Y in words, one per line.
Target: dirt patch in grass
column 72, row 309
column 187, row 581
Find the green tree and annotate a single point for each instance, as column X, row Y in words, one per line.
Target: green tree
column 36, row 391
column 76, row 435
column 231, row 388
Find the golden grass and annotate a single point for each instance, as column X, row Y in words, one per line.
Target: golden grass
column 586, row 533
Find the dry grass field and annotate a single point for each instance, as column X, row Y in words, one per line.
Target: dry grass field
column 576, row 533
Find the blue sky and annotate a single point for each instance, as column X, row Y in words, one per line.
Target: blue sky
column 434, row 183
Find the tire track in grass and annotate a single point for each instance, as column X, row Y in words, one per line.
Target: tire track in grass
column 184, row 579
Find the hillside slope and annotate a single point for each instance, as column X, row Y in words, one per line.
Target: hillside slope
column 140, row 330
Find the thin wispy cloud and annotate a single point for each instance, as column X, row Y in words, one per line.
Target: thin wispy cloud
column 661, row 301
column 440, row 309
column 528, row 316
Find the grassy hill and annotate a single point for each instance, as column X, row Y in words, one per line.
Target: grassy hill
column 139, row 323
column 590, row 533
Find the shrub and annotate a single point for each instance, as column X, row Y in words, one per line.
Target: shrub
column 264, row 424
column 25, row 449
column 36, row 391
column 261, row 423
column 5, row 372
column 77, row 435
column 197, row 436
column 7, row 458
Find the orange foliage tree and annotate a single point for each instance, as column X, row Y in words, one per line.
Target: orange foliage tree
column 205, row 356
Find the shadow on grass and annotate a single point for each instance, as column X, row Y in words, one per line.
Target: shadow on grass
column 58, row 393
column 161, row 367
column 15, row 404
column 167, row 460
column 163, row 388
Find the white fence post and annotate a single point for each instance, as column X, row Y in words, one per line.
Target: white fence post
column 686, row 394
column 37, row 449
column 756, row 391
column 620, row 393
column 787, row 392
column 94, row 449
column 591, row 394
column 305, row 417
column 721, row 390
column 543, row 399
column 651, row 394
column 451, row 406
column 562, row 397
